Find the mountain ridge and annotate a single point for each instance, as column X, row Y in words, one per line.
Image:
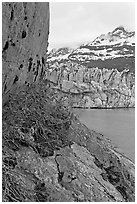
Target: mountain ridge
column 116, row 49
column 97, row 75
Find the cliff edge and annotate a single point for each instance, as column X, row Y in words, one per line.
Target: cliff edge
column 48, row 155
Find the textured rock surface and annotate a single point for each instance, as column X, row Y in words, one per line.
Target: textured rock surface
column 48, row 155
column 93, row 87
column 25, row 28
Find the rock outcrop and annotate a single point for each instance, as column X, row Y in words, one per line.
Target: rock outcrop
column 93, row 87
column 25, row 30
column 49, row 156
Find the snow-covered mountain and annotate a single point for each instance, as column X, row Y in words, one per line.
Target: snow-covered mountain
column 115, row 49
column 117, row 36
column 59, row 54
column 97, row 74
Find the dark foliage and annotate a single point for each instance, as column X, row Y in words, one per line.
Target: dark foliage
column 35, row 118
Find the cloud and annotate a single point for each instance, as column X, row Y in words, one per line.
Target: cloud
column 72, row 24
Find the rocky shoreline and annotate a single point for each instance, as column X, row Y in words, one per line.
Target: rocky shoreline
column 51, row 153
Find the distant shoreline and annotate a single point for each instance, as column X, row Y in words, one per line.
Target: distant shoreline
column 103, row 107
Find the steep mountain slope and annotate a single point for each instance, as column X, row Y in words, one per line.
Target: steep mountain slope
column 118, row 36
column 47, row 154
column 115, row 49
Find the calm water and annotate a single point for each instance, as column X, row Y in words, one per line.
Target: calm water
column 116, row 124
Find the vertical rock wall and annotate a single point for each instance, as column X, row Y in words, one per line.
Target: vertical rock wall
column 25, row 29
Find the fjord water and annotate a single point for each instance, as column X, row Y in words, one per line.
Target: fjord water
column 116, row 124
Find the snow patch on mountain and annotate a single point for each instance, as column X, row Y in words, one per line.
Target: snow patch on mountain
column 118, row 36
column 118, row 44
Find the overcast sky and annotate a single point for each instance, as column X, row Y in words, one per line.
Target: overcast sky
column 74, row 23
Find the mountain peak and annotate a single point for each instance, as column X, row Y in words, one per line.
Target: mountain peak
column 118, row 35
column 119, row 30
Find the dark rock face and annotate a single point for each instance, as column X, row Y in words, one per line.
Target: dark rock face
column 25, row 30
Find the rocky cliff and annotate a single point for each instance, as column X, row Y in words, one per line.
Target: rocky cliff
column 48, row 155
column 25, row 29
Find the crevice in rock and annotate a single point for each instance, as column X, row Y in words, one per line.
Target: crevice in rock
column 5, row 87
column 122, row 190
column 30, row 64
column 6, row 46
column 37, row 70
column 43, row 61
column 24, row 34
column 24, row 4
column 15, row 79
column 12, row 14
column 98, row 163
column 60, row 174
column 42, row 72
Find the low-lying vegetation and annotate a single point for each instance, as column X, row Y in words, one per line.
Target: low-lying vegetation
column 34, row 118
